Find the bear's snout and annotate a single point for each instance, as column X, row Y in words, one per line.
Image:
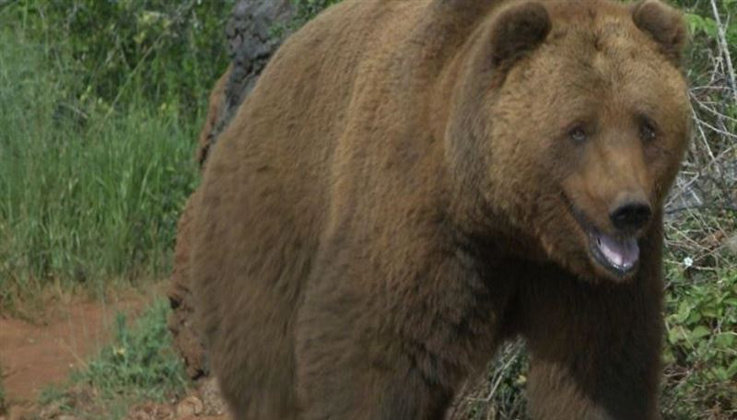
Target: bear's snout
column 630, row 213
column 631, row 217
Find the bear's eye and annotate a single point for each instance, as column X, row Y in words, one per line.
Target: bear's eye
column 647, row 131
column 577, row 134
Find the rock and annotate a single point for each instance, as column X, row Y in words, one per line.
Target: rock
column 151, row 411
column 190, row 406
column 252, row 39
column 51, row 411
column 213, row 401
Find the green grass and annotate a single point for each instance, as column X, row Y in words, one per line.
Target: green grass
column 138, row 366
column 86, row 195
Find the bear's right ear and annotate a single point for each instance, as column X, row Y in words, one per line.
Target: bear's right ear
column 664, row 24
column 518, row 30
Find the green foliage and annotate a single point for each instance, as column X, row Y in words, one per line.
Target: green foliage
column 307, row 9
column 701, row 21
column 701, row 351
column 140, row 363
column 164, row 51
column 704, row 31
column 704, row 25
column 138, row 366
column 304, row 10
column 89, row 191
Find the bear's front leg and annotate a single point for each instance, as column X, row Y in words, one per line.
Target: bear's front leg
column 595, row 348
column 352, row 367
column 381, row 342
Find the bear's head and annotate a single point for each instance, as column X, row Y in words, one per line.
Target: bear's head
column 571, row 121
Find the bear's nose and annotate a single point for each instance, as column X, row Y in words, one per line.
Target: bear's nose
column 631, row 216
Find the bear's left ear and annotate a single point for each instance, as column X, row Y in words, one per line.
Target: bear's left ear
column 664, row 24
column 518, row 30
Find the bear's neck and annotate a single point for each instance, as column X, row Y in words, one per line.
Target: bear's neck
column 458, row 29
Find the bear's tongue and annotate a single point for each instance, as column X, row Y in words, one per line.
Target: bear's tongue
column 621, row 254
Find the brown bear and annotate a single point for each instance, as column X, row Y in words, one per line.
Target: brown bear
column 411, row 183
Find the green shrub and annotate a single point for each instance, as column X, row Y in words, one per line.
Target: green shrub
column 167, row 52
column 701, row 343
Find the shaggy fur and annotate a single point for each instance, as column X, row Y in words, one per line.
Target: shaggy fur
column 413, row 182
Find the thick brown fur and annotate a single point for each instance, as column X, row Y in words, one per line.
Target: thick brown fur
column 181, row 322
column 403, row 190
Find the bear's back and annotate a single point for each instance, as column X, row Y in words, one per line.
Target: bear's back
column 270, row 185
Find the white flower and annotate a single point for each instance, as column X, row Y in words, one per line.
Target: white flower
column 688, row 262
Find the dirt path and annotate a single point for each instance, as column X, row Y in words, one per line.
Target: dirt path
column 36, row 355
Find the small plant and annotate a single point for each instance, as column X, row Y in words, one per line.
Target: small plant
column 139, row 365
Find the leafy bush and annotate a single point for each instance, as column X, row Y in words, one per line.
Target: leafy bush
column 164, row 51
column 701, row 344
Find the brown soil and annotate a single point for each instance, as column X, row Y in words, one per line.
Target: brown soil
column 68, row 332
column 34, row 355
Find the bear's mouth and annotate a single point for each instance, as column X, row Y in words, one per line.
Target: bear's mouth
column 617, row 254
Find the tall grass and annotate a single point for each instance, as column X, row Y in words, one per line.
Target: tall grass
column 86, row 195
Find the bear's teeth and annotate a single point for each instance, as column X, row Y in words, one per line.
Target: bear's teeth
column 620, row 253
